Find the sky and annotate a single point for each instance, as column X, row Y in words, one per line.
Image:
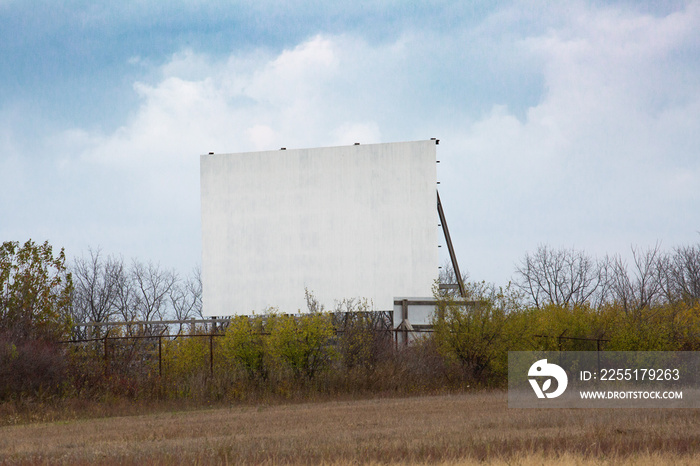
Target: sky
column 569, row 124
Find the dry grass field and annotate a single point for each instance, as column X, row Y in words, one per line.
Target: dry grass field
column 447, row 429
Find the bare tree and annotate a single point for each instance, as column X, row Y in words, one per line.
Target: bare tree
column 95, row 293
column 564, row 277
column 643, row 287
column 106, row 289
column 194, row 288
column 683, row 274
column 127, row 301
column 152, row 286
column 186, row 297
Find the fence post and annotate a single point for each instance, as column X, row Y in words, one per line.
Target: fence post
column 160, row 355
column 404, row 319
column 106, row 355
column 211, row 348
column 560, row 338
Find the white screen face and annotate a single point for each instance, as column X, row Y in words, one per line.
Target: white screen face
column 342, row 222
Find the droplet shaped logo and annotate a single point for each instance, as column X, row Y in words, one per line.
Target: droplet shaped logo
column 541, row 369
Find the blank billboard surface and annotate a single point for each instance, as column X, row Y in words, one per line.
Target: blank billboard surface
column 342, row 222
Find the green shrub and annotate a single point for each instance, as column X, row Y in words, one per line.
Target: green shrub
column 301, row 343
column 243, row 346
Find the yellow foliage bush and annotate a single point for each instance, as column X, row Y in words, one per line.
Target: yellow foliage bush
column 243, row 346
column 301, row 343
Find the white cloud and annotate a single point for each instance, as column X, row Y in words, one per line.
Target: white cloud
column 150, row 165
column 598, row 158
column 606, row 159
column 262, row 136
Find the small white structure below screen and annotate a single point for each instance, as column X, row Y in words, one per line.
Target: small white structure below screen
column 343, row 222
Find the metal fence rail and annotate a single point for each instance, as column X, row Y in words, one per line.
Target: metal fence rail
column 214, row 328
column 158, row 330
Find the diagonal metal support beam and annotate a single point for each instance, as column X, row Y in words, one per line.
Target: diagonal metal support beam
column 450, row 248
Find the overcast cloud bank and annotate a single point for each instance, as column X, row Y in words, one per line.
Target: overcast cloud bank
column 575, row 126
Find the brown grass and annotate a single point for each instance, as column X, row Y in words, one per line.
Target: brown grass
column 446, row 429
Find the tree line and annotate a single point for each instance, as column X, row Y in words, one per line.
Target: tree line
column 108, row 289
column 560, row 299
column 567, row 277
column 564, row 299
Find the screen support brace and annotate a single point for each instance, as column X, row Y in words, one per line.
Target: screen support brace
column 448, row 240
